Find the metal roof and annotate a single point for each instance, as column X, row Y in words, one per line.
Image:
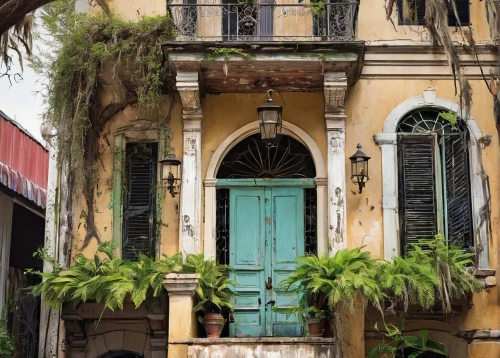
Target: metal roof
column 24, row 162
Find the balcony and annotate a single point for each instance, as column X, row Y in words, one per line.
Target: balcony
column 266, row 21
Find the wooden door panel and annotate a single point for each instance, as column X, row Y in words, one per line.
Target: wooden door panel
column 247, row 239
column 288, row 243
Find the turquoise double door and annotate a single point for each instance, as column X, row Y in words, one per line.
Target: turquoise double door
column 266, row 235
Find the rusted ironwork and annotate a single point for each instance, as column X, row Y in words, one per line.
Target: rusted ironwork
column 251, row 158
column 26, row 321
column 259, row 21
column 222, row 226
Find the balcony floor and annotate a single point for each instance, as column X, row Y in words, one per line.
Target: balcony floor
column 284, row 66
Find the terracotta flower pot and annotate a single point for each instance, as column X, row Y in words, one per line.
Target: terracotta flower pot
column 316, row 327
column 213, row 323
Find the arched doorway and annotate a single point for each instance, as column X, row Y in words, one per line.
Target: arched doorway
column 266, row 210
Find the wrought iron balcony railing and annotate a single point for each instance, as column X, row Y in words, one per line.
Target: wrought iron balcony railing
column 266, row 20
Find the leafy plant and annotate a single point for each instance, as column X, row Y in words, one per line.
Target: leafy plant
column 400, row 344
column 317, row 7
column 338, row 280
column 451, row 118
column 408, row 281
column 214, row 291
column 7, row 346
column 226, row 52
column 106, row 279
column 453, row 267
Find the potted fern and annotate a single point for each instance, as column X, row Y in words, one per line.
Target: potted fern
column 337, row 281
column 214, row 293
column 432, row 273
column 105, row 279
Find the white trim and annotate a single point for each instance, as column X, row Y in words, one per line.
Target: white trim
column 387, row 141
column 233, row 139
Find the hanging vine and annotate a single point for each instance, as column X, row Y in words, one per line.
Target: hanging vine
column 92, row 53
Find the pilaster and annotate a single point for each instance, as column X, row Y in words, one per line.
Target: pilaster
column 181, row 289
column 387, row 143
column 335, row 87
column 190, row 195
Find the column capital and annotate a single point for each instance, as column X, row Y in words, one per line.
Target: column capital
column 192, row 122
column 187, row 83
column 335, row 122
column 181, row 284
column 321, row 182
column 335, row 88
column 210, row 182
column 385, row 138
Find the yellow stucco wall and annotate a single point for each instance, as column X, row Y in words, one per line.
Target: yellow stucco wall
column 372, row 25
column 368, row 104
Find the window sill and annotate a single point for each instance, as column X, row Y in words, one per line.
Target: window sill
column 487, row 276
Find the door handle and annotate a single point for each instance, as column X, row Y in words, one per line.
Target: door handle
column 269, row 283
column 272, row 302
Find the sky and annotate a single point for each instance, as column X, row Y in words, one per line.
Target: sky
column 19, row 101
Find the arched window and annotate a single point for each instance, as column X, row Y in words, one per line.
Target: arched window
column 433, row 178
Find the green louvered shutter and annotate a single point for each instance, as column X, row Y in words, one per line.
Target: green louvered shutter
column 458, row 198
column 139, row 215
column 417, row 188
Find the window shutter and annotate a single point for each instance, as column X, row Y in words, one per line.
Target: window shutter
column 463, row 10
column 458, row 190
column 140, row 200
column 417, row 188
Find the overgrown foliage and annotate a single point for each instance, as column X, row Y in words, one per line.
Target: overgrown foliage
column 110, row 280
column 400, row 346
column 452, row 266
column 214, row 291
column 105, row 279
column 86, row 49
column 6, row 341
column 431, row 273
column 436, row 22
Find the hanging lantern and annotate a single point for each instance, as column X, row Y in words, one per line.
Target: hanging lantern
column 269, row 119
column 171, row 173
column 359, row 168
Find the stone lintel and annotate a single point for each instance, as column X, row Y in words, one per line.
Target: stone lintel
column 181, row 284
column 385, row 138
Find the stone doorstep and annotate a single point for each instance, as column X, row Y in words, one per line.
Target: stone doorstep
column 256, row 340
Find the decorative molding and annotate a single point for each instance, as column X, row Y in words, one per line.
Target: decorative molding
column 181, row 284
column 403, row 59
column 190, row 196
column 288, row 129
column 335, row 87
column 189, row 90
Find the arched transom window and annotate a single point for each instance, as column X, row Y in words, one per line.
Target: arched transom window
column 433, row 178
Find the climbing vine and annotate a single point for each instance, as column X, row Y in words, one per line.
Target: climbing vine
column 93, row 54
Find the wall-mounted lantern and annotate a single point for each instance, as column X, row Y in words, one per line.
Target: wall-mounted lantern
column 171, row 173
column 269, row 118
column 359, row 168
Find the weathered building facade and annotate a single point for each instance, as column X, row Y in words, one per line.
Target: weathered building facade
column 343, row 76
